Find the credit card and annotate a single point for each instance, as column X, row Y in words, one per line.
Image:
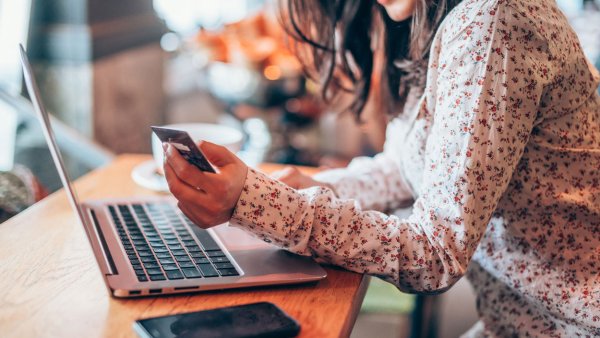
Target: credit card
column 182, row 141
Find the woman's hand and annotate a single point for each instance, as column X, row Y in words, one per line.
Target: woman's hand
column 296, row 179
column 208, row 199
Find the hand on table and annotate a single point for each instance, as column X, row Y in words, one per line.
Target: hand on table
column 294, row 178
column 208, row 199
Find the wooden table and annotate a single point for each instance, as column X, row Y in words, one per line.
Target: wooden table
column 50, row 285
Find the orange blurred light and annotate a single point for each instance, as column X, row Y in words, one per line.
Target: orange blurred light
column 272, row 72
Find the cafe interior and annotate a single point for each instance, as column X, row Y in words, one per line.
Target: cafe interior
column 224, row 71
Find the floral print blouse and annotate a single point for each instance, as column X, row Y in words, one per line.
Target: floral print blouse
column 502, row 159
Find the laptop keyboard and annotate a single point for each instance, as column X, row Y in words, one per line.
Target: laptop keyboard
column 160, row 246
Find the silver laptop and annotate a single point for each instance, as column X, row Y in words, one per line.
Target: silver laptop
column 147, row 246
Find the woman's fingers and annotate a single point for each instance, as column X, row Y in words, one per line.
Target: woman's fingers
column 180, row 189
column 207, row 199
column 294, row 178
column 216, row 154
column 289, row 176
column 284, row 173
column 184, row 170
column 202, row 208
column 191, row 213
column 203, row 216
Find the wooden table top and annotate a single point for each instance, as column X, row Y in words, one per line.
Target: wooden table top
column 50, row 284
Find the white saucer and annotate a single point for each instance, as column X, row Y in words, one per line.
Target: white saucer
column 145, row 174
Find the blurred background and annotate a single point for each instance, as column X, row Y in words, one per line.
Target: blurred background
column 108, row 69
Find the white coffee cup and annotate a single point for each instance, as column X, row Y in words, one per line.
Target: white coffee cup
column 228, row 137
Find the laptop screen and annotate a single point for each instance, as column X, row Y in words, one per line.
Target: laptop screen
column 34, row 93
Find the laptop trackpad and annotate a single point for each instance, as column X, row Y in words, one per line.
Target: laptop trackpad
column 266, row 262
column 236, row 239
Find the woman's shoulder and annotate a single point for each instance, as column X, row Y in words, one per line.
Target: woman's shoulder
column 466, row 14
column 475, row 17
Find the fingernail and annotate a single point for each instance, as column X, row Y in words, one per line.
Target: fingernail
column 165, row 146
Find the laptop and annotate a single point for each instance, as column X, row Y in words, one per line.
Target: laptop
column 147, row 246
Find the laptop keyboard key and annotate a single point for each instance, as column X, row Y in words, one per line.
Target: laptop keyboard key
column 188, row 264
column 206, row 239
column 166, row 261
column 144, row 253
column 163, row 255
column 215, row 253
column 202, row 260
column 174, row 274
column 179, row 252
column 208, row 270
column 157, row 277
column 155, row 271
column 194, row 248
column 157, row 244
column 219, row 260
column 167, row 267
column 151, row 265
column 191, row 273
column 228, row 272
column 142, row 278
column 189, row 243
column 182, row 259
column 148, row 259
column 142, row 247
column 224, row 266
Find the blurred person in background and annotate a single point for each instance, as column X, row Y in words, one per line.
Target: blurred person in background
column 493, row 133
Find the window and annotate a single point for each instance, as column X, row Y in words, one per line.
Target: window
column 14, row 23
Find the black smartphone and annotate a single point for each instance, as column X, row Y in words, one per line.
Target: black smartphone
column 244, row 321
column 182, row 141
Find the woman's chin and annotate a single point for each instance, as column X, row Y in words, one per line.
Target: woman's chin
column 399, row 18
column 400, row 11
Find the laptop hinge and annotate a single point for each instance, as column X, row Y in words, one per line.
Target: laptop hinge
column 107, row 263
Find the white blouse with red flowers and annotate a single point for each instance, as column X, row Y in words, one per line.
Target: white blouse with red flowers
column 502, row 159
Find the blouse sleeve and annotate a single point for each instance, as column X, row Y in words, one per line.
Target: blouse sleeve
column 379, row 182
column 375, row 183
column 485, row 82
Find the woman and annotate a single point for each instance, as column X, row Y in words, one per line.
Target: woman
column 501, row 155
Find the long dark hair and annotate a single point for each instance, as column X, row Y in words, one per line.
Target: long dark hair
column 337, row 42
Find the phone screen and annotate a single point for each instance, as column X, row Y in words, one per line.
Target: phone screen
column 252, row 320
